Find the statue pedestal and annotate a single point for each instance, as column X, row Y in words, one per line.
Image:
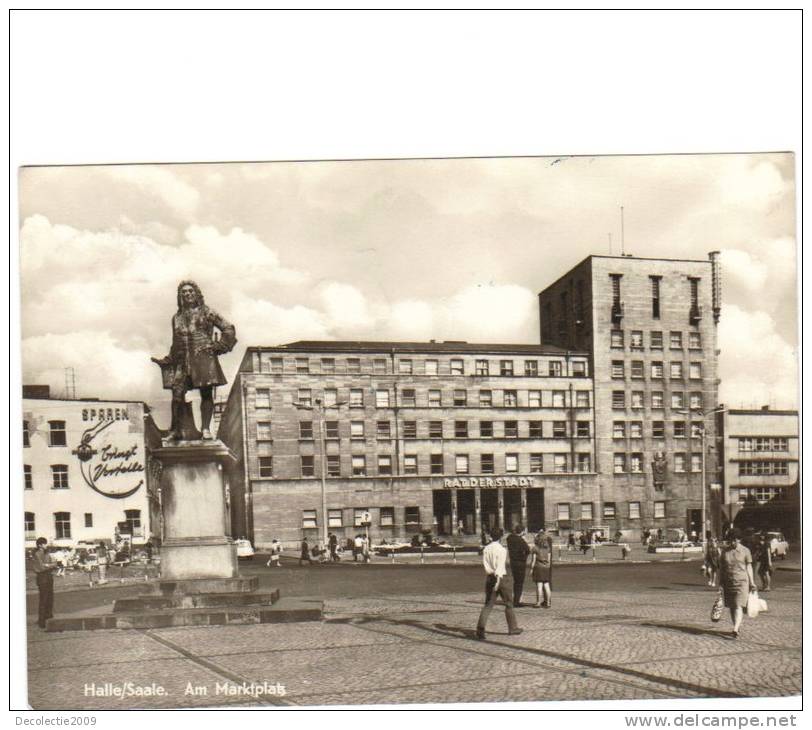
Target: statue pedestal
column 195, row 542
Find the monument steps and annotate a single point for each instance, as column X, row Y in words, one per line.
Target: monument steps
column 193, row 600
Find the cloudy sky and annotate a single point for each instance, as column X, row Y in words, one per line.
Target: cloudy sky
column 443, row 249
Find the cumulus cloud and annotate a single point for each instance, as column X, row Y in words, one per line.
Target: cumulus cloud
column 161, row 182
column 744, row 268
column 490, row 313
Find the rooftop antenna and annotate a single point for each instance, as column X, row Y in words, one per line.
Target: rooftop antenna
column 622, row 234
column 70, row 384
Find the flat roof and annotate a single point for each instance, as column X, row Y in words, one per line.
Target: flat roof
column 760, row 412
column 84, row 400
column 447, row 346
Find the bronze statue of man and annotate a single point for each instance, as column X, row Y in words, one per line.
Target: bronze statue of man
column 199, row 335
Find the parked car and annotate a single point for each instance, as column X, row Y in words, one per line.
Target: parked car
column 778, row 544
column 244, row 549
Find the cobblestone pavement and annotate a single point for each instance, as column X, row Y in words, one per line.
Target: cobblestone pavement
column 656, row 643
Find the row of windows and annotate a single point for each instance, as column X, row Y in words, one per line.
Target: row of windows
column 437, row 429
column 760, row 494
column 637, row 370
column 335, row 517
column 406, row 366
column 633, row 463
column 637, row 399
column 617, row 340
column 408, row 398
column 634, row 429
column 62, row 523
column 436, row 464
column 57, row 434
column 763, row 443
column 763, row 468
column 59, row 476
column 585, row 510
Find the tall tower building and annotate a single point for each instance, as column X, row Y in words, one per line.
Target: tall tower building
column 650, row 326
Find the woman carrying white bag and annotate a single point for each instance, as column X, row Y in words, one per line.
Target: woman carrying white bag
column 736, row 578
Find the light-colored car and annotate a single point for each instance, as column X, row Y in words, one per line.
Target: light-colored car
column 778, row 544
column 244, row 549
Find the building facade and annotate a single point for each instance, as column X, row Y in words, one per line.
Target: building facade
column 86, row 470
column 649, row 326
column 759, row 459
column 450, row 438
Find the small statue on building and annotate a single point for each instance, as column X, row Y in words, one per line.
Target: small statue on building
column 199, row 335
column 658, row 470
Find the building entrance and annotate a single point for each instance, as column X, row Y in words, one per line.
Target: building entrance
column 513, row 508
column 442, row 511
column 694, row 522
column 466, row 510
column 535, row 509
column 489, row 508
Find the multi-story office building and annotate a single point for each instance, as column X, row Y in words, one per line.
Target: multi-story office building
column 649, row 326
column 449, row 437
column 760, row 453
column 86, row 470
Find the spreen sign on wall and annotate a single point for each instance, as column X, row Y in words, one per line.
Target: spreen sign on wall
column 456, row 483
column 110, row 451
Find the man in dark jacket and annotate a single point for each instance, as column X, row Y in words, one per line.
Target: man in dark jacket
column 517, row 552
column 43, row 568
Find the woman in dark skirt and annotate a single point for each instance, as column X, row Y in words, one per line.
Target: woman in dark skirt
column 541, row 569
column 736, row 577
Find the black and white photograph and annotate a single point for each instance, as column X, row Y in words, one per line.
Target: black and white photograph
column 409, row 431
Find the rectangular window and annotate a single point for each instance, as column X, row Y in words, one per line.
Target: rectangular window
column 405, row 367
column 679, row 463
column 461, row 463
column 486, row 429
column 384, row 430
column 618, row 399
column 582, row 399
column 431, row 367
column 356, row 429
column 482, row 367
column 410, row 464
column 382, row 398
column 457, row 367
column 559, row 429
column 265, row 467
column 435, row 398
column 435, row 429
column 658, row 429
column 618, row 369
column 30, row 526
column 616, row 339
column 536, row 463
column 510, row 399
column 655, row 296
column 360, row 516
column 678, row 400
column 410, row 429
column 333, row 465
column 461, row 429
column 408, row 398
column 531, row 368
column 563, row 511
column 675, row 341
column 679, row 429
column 506, row 367
column 328, row 365
column 308, row 467
column 609, row 510
column 535, row 430
column 636, row 463
column 379, row 366
column 676, row 370
column 59, row 476
column 304, row 398
column 354, row 365
column 359, row 466
column 582, row 429
column 560, row 463
column 330, row 398
column 636, row 429
column 619, row 462
column 88, row 519
column 26, row 434
column 334, row 518
column 331, row 429
column 696, row 430
column 62, row 525
column 28, row 479
column 309, row 519
column 578, row 369
column 534, row 398
column 486, row 464
column 586, row 510
column 695, row 371
column 554, row 369
column 511, row 429
column 656, row 370
column 696, row 462
column 559, row 398
column 656, row 339
column 659, row 510
column 305, row 429
column 436, row 463
column 638, row 370
column 460, row 397
column 584, row 462
column 485, row 398
column 57, row 436
column 302, row 365
column 412, row 515
column 511, row 463
column 387, row 516
column 356, row 398
column 634, row 510
column 695, row 340
column 657, row 400
column 619, row 430
column 615, row 279
column 637, row 398
column 263, row 430
column 695, row 401
column 636, row 340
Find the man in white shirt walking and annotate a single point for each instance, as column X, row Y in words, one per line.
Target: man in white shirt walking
column 497, row 583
